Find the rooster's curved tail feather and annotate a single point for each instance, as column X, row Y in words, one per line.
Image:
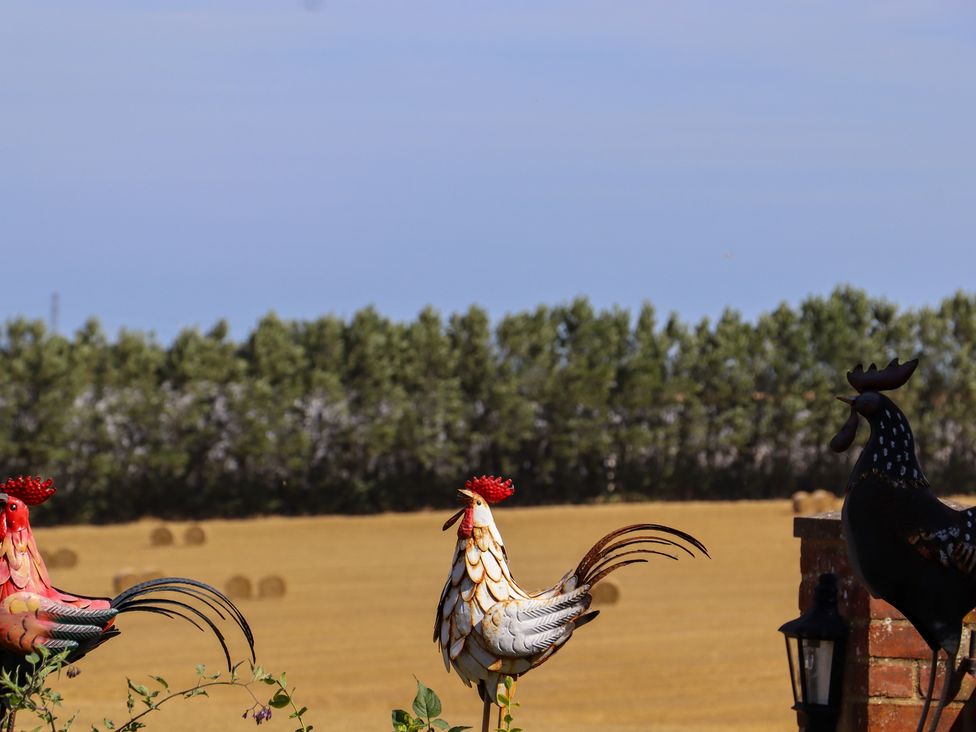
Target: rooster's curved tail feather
column 606, row 555
column 155, row 596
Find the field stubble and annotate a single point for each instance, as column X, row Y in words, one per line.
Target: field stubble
column 691, row 645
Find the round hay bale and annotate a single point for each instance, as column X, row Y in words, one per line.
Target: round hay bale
column 822, row 500
column 161, row 536
column 808, row 506
column 239, row 588
column 801, row 499
column 64, row 558
column 271, row 586
column 124, row 580
column 194, row 536
column 605, row 593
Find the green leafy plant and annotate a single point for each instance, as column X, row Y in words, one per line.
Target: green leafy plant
column 26, row 690
column 427, row 707
column 507, row 704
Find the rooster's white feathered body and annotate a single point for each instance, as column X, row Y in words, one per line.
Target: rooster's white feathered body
column 488, row 627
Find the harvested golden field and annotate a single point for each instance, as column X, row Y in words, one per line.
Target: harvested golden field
column 690, row 645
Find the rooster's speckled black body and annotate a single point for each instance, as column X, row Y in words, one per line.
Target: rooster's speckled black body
column 904, row 544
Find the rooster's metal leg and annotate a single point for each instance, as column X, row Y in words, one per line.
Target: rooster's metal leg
column 486, row 715
column 950, row 673
column 928, row 694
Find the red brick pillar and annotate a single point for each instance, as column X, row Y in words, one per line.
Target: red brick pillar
column 887, row 665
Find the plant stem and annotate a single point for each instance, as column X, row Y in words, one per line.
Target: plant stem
column 183, row 693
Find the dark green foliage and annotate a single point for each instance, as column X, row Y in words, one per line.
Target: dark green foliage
column 369, row 414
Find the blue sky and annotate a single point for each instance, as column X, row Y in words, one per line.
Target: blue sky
column 165, row 164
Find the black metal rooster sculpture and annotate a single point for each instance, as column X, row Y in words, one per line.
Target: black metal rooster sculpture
column 904, row 544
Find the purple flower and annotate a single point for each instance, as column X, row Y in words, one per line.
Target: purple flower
column 72, row 672
column 262, row 715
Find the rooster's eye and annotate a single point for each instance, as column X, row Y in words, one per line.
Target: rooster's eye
column 13, row 507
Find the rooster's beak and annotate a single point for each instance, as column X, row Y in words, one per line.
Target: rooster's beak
column 846, row 400
column 453, row 520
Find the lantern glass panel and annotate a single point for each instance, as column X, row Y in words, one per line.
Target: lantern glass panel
column 817, row 659
column 793, row 653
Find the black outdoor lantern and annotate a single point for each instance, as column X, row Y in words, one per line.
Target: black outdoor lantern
column 815, row 644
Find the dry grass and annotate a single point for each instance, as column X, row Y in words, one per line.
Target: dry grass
column 692, row 645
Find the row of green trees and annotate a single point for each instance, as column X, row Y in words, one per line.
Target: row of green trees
column 368, row 414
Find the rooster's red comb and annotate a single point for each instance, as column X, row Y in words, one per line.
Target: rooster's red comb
column 490, row 488
column 30, row 490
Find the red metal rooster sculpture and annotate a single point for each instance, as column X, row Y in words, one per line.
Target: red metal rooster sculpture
column 35, row 613
column 488, row 627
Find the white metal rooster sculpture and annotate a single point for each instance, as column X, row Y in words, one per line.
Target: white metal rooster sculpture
column 488, row 627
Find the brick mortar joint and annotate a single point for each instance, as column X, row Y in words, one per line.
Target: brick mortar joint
column 890, row 623
column 904, row 662
column 885, row 701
